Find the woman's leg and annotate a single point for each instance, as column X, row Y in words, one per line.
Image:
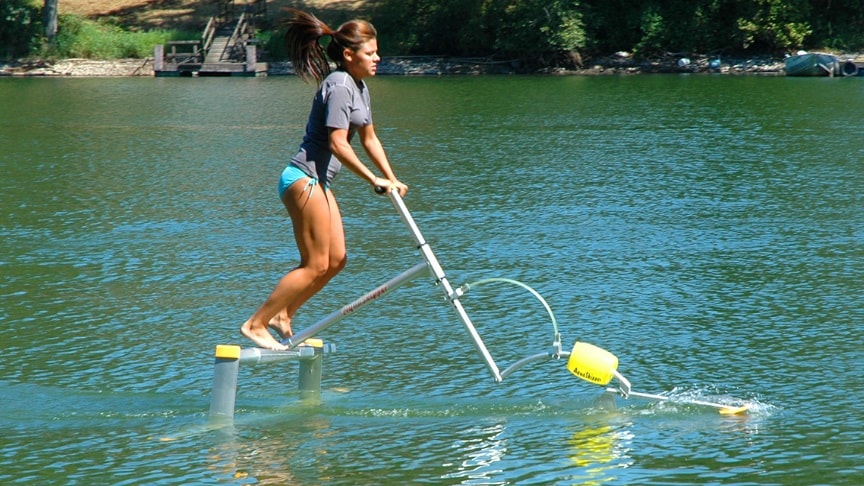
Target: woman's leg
column 281, row 322
column 318, row 231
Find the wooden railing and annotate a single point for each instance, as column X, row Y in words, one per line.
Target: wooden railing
column 237, row 42
column 178, row 53
column 208, row 35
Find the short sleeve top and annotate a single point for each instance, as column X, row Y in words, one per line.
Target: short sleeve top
column 340, row 102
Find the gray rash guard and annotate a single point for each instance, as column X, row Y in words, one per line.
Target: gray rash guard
column 341, row 102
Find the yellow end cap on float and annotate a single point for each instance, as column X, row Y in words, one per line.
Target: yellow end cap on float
column 227, row 351
column 734, row 410
column 592, row 364
column 314, row 342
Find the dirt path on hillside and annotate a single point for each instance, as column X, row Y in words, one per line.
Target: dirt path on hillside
column 193, row 14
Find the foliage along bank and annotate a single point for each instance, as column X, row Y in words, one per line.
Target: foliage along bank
column 560, row 31
column 538, row 33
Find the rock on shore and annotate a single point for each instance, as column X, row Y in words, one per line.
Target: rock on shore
column 425, row 66
column 80, row 67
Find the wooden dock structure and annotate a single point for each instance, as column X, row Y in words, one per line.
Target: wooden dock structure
column 226, row 48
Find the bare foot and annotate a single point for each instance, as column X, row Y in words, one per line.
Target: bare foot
column 281, row 323
column 261, row 337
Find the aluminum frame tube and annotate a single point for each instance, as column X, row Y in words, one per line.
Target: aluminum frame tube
column 438, row 273
column 370, row 296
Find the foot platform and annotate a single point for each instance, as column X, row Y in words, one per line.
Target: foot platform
column 229, row 357
column 308, row 349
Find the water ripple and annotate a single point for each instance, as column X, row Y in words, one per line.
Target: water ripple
column 702, row 229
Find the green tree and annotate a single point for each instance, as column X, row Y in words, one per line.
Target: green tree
column 543, row 32
column 437, row 27
column 658, row 26
column 837, row 24
column 775, row 24
column 612, row 25
column 19, row 28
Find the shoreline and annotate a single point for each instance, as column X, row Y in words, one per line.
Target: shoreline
column 619, row 64
column 428, row 66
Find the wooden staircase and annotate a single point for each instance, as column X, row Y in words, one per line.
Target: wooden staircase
column 227, row 48
column 229, row 51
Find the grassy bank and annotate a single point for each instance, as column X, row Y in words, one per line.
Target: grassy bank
column 79, row 37
column 124, row 29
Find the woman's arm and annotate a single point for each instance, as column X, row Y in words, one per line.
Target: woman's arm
column 341, row 148
column 375, row 150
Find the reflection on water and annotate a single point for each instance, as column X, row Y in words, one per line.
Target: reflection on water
column 484, row 447
column 599, row 452
column 269, row 458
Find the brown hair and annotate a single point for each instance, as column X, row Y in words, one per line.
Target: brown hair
column 303, row 32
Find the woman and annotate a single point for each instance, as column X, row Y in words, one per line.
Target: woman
column 340, row 109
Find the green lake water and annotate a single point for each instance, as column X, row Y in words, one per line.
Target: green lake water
column 707, row 230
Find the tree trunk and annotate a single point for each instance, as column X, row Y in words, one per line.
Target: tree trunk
column 49, row 19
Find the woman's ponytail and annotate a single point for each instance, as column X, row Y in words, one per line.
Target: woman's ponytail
column 302, row 32
column 302, row 35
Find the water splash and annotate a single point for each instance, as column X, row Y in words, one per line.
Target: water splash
column 694, row 399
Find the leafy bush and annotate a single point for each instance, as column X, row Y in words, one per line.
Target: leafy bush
column 436, row 27
column 78, row 37
column 775, row 25
column 653, row 34
column 541, row 32
column 537, row 31
column 272, row 44
column 20, row 28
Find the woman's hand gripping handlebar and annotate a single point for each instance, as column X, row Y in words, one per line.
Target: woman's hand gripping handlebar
column 389, row 186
